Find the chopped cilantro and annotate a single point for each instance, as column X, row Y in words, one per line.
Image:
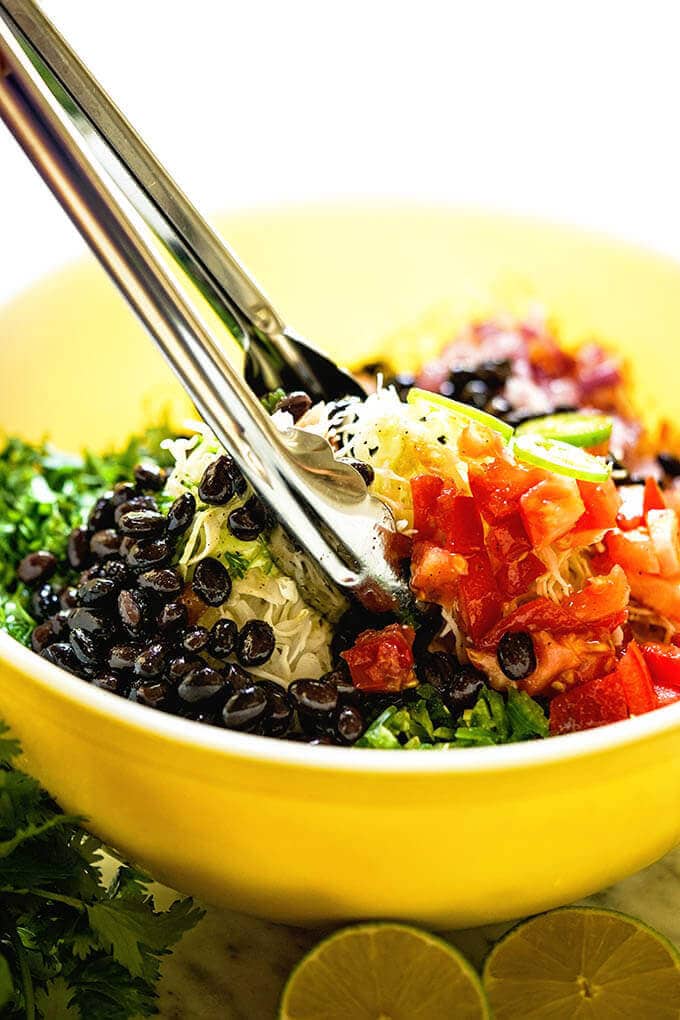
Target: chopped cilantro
column 270, row 400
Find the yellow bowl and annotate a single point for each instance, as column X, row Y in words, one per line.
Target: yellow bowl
column 304, row 834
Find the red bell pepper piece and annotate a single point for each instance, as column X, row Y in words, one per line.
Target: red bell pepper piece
column 458, row 523
column 538, row 614
column 479, row 601
column 382, row 660
column 591, row 704
column 508, row 540
column 497, row 487
column 663, row 662
column 653, row 497
column 514, row 578
column 425, row 490
column 435, row 573
column 602, row 597
column 602, row 502
column 550, row 509
column 636, row 679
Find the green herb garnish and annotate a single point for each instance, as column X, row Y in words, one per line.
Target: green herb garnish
column 72, row 948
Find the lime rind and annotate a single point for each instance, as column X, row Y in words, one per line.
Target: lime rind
column 459, row 410
column 579, row 428
column 333, row 978
column 560, row 458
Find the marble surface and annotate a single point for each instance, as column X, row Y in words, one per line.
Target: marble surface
column 233, row 967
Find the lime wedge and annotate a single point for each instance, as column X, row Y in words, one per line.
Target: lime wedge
column 581, row 962
column 580, row 428
column 383, row 972
column 561, row 458
column 429, row 400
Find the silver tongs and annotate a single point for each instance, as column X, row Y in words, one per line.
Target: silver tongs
column 195, row 298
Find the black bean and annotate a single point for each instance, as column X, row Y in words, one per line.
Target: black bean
column 217, row 484
column 37, row 567
column 59, row 624
column 476, row 393
column 340, row 678
column 349, row 723
column 172, row 617
column 115, row 570
column 670, row 464
column 456, row 382
column 151, row 660
column 248, row 521
column 153, row 695
column 150, row 552
column 211, row 582
column 516, row 655
column 222, row 638
column 122, row 657
column 364, row 469
column 194, row 639
column 320, row 742
column 42, row 636
column 495, row 373
column 201, row 685
column 296, row 403
column 135, row 502
column 112, row 683
column 68, row 597
column 245, row 709
column 314, row 695
column 78, row 548
column 62, row 655
column 437, row 669
column 142, row 523
column 101, row 514
column 430, row 623
column 99, row 592
column 236, row 677
column 402, row 382
column 499, row 406
column 133, row 610
column 150, row 476
column 181, row 514
column 94, row 571
column 465, row 688
column 105, row 543
column 180, row 665
column 164, row 583
column 255, row 643
column 94, row 621
column 44, row 602
column 88, row 650
column 122, row 492
column 279, row 710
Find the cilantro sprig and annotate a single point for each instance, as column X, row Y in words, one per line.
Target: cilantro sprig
column 71, row 947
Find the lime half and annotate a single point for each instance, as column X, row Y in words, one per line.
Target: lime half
column 383, row 972
column 583, row 962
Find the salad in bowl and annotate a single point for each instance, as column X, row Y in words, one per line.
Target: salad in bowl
column 536, row 521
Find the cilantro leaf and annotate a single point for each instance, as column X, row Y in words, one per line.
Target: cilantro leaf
column 6, row 983
column 54, row 1001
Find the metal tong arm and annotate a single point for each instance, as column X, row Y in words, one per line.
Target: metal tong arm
column 289, row 474
column 208, row 260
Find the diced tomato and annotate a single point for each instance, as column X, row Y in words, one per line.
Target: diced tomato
column 538, row 614
column 515, row 577
column 477, row 442
column 602, row 503
column 653, row 497
column 631, row 512
column 663, row 662
column 550, row 509
column 498, row 486
column 382, row 660
column 458, row 523
column 591, row 704
column 602, row 597
column 663, row 531
column 662, row 594
column 665, row 695
column 478, row 599
column 633, row 550
column 435, row 573
column 507, row 540
column 425, row 490
column 637, row 681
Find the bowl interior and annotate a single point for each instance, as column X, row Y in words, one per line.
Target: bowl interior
column 76, row 365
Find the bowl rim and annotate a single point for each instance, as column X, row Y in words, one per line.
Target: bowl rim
column 253, row 749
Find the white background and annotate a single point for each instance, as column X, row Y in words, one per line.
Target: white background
column 563, row 109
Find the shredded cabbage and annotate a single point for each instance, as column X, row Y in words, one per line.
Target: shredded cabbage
column 259, row 590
